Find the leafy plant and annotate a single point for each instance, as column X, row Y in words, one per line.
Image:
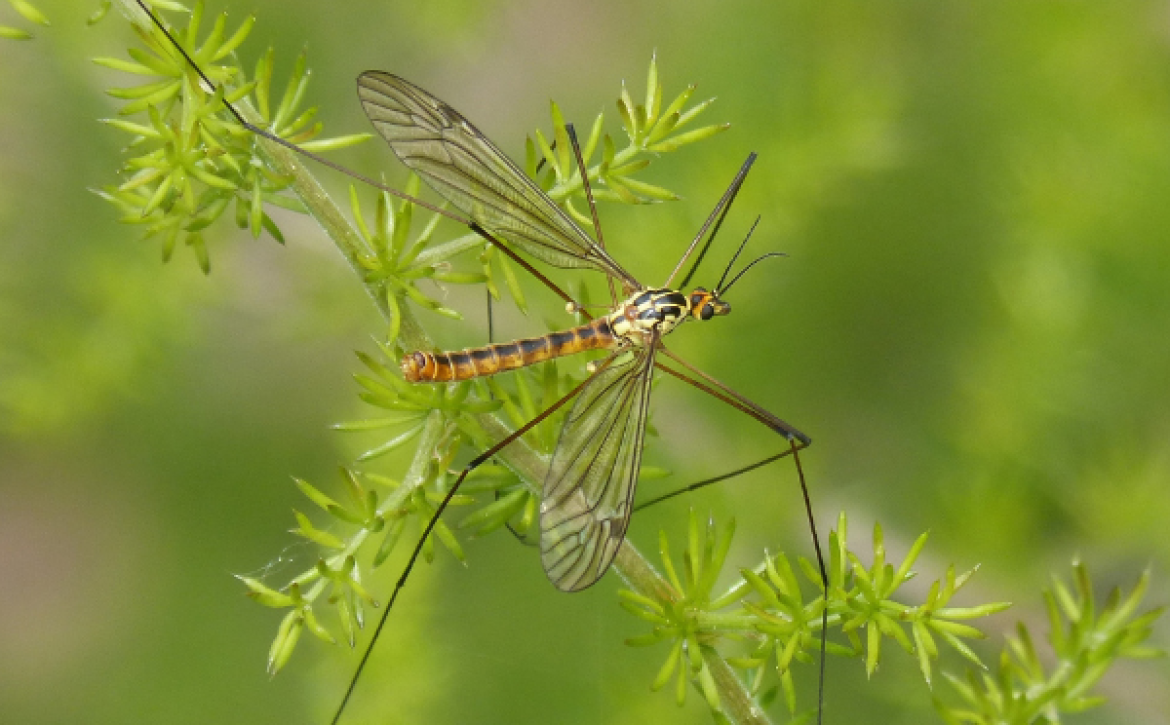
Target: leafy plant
column 766, row 608
column 191, row 163
column 1085, row 642
column 190, row 166
column 767, row 612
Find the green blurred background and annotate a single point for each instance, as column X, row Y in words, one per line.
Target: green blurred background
column 973, row 325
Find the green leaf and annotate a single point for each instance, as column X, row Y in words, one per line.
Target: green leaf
column 496, row 514
column 667, row 564
column 675, row 107
column 873, row 647
column 668, row 667
column 444, row 534
column 286, row 641
column 125, row 66
column 924, row 648
column 257, row 208
column 29, row 12
column 653, row 92
column 650, row 190
column 394, row 315
column 393, row 444
column 11, row 33
column 266, row 595
column 393, row 533
column 982, row 610
column 335, row 143
column 1112, row 617
column 97, row 15
column 789, row 687
column 227, row 48
column 134, row 129
column 618, row 187
column 315, row 627
column 460, row 277
column 222, row 183
column 353, row 486
column 699, row 134
column 294, row 91
column 306, row 529
column 959, row 630
column 270, row 227
column 513, row 285
column 626, row 110
column 348, row 613
column 314, row 495
column 197, row 245
column 709, row 690
column 904, row 572
column 642, row 600
column 594, row 137
column 961, row 647
column 645, row 640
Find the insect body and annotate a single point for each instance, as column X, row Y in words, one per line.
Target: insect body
column 589, row 490
column 631, row 324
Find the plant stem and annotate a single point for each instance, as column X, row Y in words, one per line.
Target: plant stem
column 737, row 702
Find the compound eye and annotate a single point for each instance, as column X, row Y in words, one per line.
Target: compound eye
column 707, row 312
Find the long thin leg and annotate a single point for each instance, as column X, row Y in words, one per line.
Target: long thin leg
column 732, row 398
column 737, row 401
column 475, row 462
column 824, row 581
column 592, row 205
column 490, row 323
column 710, row 481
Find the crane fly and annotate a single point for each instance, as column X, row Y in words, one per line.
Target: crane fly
column 588, row 492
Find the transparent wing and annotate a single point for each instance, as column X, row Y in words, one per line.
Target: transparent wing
column 589, row 491
column 468, row 170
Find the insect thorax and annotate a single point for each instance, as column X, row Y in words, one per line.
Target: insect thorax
column 635, row 318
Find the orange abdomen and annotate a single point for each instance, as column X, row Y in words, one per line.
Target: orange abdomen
column 445, row 367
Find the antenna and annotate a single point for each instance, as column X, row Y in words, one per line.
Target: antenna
column 751, row 264
column 719, row 288
column 727, row 269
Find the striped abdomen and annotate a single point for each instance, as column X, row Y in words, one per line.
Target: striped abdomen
column 443, row 367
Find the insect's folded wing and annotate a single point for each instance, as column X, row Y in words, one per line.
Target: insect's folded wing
column 468, row 170
column 589, row 491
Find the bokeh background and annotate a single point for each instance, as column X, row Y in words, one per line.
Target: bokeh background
column 973, row 324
